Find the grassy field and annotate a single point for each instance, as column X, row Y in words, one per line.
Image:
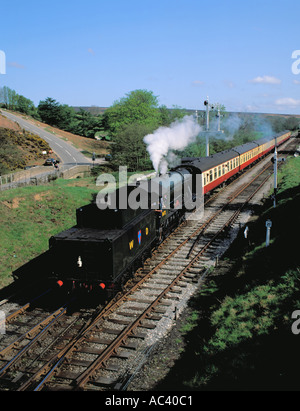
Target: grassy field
column 238, row 336
column 29, row 216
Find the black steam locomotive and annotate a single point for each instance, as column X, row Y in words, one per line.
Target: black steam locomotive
column 108, row 245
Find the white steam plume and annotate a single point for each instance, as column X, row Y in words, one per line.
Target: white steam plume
column 165, row 139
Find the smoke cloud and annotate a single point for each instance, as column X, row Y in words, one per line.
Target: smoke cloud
column 164, row 140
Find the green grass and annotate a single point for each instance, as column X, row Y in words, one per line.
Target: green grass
column 29, row 216
column 290, row 176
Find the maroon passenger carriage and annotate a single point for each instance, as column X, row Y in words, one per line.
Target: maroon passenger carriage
column 221, row 167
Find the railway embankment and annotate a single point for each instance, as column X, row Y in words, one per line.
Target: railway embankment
column 237, row 332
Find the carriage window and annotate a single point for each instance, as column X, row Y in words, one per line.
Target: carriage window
column 223, row 169
column 219, row 170
column 204, row 180
column 216, row 173
column 211, row 175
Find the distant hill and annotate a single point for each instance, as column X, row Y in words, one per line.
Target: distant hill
column 95, row 110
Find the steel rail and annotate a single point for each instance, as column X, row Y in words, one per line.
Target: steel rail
column 31, row 343
column 44, row 369
column 24, row 308
column 28, row 334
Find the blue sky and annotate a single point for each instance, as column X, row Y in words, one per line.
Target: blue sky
column 93, row 52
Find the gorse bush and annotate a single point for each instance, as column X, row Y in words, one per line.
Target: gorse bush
column 17, row 148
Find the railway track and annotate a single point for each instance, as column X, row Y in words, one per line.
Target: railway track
column 102, row 350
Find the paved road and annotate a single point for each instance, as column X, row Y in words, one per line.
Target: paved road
column 68, row 154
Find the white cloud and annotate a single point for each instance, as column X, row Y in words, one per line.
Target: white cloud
column 251, row 108
column 287, row 101
column 296, row 81
column 265, row 80
column 229, row 84
column 197, row 83
column 16, row 65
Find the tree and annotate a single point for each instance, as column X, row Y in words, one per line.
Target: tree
column 48, row 111
column 24, row 105
column 57, row 115
column 9, row 98
column 168, row 116
column 87, row 125
column 129, row 148
column 278, row 123
column 139, row 107
column 66, row 118
column 292, row 123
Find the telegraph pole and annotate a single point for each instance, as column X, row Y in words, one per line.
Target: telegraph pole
column 206, row 103
column 207, row 132
column 219, row 120
column 275, row 172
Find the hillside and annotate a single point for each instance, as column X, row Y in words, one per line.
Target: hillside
column 88, row 146
column 19, row 148
column 6, row 123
